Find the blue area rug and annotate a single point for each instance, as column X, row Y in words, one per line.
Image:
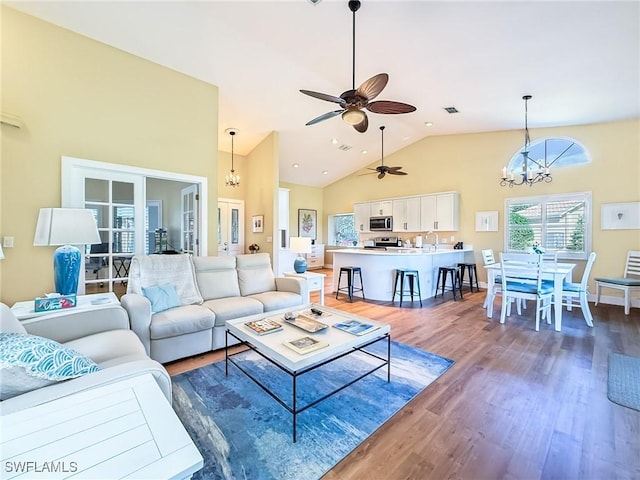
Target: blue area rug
column 243, row 433
column 623, row 384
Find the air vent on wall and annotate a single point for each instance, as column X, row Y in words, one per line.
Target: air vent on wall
column 344, row 147
column 451, row 109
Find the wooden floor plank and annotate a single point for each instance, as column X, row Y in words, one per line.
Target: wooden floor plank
column 517, row 404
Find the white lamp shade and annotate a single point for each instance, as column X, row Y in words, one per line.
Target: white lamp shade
column 65, row 226
column 300, row 244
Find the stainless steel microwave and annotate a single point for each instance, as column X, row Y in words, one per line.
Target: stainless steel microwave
column 381, row 224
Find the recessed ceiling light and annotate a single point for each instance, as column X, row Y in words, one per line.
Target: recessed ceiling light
column 364, row 152
column 429, row 124
column 295, row 165
column 324, row 172
column 334, row 141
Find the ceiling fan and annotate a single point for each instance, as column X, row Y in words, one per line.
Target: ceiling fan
column 383, row 169
column 352, row 102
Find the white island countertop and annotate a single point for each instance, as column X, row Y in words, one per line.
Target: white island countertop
column 379, row 267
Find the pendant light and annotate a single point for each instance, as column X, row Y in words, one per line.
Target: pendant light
column 233, row 180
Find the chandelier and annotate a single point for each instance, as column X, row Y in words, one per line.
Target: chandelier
column 532, row 171
column 233, row 180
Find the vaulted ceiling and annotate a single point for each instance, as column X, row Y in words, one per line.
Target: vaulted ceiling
column 579, row 60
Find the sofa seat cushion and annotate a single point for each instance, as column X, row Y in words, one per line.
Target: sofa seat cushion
column 233, row 307
column 107, row 346
column 181, row 320
column 277, row 300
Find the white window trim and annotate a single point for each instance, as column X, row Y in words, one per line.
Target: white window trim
column 588, row 218
column 516, row 160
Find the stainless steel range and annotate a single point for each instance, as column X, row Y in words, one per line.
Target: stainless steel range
column 386, row 241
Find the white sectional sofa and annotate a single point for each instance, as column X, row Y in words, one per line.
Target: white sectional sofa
column 103, row 336
column 210, row 291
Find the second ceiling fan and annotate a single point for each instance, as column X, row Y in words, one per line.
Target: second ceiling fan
column 382, row 169
column 352, row 102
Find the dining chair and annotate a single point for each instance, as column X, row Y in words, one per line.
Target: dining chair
column 550, row 257
column 489, row 259
column 522, row 279
column 579, row 291
column 628, row 284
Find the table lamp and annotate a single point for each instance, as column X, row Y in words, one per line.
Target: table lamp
column 300, row 245
column 66, row 227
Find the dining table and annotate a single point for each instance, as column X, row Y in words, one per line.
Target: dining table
column 558, row 272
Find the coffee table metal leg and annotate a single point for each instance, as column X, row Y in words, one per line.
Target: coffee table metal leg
column 388, row 358
column 226, row 353
column 295, row 411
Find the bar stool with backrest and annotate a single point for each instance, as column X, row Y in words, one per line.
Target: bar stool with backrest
column 454, row 272
column 350, row 271
column 414, row 280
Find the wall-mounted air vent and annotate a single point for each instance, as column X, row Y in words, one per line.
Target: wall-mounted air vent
column 344, row 147
column 451, row 109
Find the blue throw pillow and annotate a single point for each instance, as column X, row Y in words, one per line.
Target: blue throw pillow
column 162, row 297
column 28, row 362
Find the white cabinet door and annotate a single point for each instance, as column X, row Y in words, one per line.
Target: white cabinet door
column 406, row 215
column 382, row 208
column 361, row 213
column 439, row 213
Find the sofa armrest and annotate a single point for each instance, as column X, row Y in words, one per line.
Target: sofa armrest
column 294, row 285
column 139, row 309
column 88, row 382
column 66, row 326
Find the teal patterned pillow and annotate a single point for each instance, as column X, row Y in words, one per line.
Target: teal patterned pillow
column 28, row 362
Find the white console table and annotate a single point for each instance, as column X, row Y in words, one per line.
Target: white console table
column 25, row 310
column 123, row 430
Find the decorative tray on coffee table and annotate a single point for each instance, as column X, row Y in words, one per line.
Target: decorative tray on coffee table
column 306, row 323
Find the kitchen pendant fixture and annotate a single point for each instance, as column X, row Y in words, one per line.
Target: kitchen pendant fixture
column 233, row 180
column 532, row 170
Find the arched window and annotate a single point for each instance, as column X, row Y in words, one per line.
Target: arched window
column 551, row 153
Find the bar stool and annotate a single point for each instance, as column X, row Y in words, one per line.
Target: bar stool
column 350, row 271
column 455, row 280
column 473, row 274
column 414, row 279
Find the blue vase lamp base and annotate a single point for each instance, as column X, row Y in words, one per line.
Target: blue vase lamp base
column 66, row 269
column 300, row 265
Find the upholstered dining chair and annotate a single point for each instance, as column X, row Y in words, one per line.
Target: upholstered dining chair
column 522, row 279
column 628, row 284
column 573, row 291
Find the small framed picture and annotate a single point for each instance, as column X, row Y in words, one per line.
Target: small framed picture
column 620, row 216
column 307, row 223
column 257, row 223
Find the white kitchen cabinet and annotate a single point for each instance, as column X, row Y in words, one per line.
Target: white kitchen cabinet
column 361, row 214
column 382, row 208
column 439, row 212
column 315, row 259
column 406, row 214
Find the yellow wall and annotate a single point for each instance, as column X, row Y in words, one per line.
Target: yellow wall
column 81, row 98
column 471, row 164
column 261, row 195
column 310, row 198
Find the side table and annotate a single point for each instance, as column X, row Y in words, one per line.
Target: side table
column 314, row 280
column 25, row 310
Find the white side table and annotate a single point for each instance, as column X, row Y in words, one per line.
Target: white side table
column 24, row 310
column 126, row 429
column 314, row 280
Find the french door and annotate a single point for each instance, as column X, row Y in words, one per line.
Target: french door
column 230, row 227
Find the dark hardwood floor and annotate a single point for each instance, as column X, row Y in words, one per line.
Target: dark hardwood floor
column 517, row 404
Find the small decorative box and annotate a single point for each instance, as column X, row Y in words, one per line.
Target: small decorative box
column 46, row 304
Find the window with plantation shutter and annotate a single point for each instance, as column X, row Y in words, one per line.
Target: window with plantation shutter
column 559, row 223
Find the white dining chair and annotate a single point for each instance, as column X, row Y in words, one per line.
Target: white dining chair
column 550, row 257
column 489, row 259
column 579, row 291
column 522, row 279
column 628, row 284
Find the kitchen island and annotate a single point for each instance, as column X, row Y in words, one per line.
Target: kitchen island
column 379, row 267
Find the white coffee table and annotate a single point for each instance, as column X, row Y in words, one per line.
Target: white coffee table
column 272, row 348
column 315, row 281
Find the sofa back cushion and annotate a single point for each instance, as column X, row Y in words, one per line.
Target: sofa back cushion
column 255, row 274
column 153, row 270
column 217, row 277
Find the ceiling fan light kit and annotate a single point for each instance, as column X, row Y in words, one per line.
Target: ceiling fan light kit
column 352, row 102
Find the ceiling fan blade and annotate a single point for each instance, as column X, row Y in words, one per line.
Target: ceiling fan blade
column 324, row 116
column 389, row 107
column 381, row 175
column 325, row 96
column 371, row 88
column 363, row 125
column 394, row 168
column 396, row 172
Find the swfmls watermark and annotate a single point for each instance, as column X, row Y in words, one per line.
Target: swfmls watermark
column 33, row 466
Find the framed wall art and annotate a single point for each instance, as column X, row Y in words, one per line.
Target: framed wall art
column 487, row 221
column 620, row 216
column 307, row 223
column 257, row 223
